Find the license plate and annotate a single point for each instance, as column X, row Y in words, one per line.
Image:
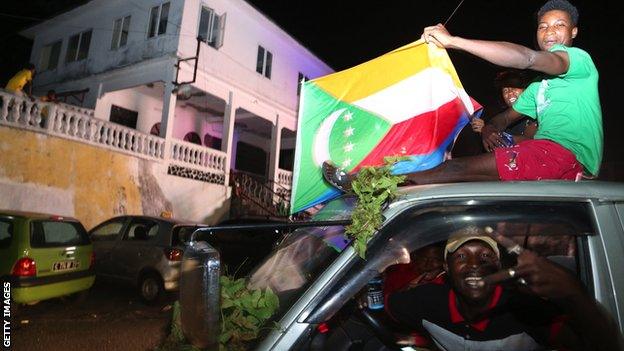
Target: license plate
column 65, row 265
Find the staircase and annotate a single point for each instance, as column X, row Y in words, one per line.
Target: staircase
column 253, row 196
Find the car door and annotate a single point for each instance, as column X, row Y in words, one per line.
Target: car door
column 566, row 232
column 105, row 237
column 138, row 248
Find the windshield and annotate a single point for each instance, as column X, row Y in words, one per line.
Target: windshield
column 303, row 256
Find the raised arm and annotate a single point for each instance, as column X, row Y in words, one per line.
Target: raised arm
column 499, row 52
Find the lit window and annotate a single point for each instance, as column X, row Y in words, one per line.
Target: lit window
column 78, row 46
column 50, row 55
column 159, row 16
column 120, row 32
column 264, row 62
column 211, row 27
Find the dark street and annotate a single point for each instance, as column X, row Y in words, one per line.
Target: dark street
column 111, row 318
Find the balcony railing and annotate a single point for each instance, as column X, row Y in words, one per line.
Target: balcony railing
column 78, row 124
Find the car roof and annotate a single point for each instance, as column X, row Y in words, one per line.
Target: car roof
column 172, row 221
column 35, row 215
column 544, row 190
column 590, row 189
column 547, row 190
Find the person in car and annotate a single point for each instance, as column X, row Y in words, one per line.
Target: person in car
column 425, row 266
column 473, row 310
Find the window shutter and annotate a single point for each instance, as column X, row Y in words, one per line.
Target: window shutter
column 220, row 32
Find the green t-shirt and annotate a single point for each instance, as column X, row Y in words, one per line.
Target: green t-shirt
column 567, row 108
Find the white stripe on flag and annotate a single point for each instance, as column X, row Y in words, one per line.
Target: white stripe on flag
column 423, row 92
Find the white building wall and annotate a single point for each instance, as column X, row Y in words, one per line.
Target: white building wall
column 99, row 15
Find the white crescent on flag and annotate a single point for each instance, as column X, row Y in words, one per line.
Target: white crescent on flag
column 320, row 146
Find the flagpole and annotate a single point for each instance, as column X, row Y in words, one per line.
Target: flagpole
column 451, row 16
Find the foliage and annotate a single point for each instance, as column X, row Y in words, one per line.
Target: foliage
column 175, row 340
column 243, row 312
column 374, row 186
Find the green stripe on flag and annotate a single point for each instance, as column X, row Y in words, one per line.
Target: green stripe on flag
column 343, row 133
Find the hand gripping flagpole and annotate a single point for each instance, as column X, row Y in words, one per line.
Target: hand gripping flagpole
column 451, row 16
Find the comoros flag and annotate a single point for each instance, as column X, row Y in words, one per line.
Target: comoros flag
column 408, row 102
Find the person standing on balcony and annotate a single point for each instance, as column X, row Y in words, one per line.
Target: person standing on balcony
column 20, row 80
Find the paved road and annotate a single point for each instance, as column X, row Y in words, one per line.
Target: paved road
column 111, row 318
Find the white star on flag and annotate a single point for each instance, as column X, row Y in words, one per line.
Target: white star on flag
column 346, row 163
column 348, row 132
column 348, row 116
column 348, row 147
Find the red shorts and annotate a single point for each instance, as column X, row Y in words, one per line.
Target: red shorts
column 537, row 159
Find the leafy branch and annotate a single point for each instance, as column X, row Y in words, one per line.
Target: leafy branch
column 243, row 312
column 373, row 186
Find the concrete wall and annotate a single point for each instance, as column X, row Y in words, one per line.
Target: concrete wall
column 47, row 174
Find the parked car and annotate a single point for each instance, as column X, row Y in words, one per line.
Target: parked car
column 144, row 251
column 317, row 275
column 44, row 256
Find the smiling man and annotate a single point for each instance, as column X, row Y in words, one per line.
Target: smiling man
column 549, row 308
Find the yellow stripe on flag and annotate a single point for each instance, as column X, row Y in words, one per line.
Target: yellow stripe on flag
column 387, row 70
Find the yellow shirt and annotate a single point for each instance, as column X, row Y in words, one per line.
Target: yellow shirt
column 20, row 79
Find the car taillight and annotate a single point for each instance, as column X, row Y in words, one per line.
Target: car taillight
column 25, row 267
column 174, row 254
column 92, row 260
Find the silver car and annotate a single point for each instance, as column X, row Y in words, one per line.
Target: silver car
column 142, row 250
column 316, row 273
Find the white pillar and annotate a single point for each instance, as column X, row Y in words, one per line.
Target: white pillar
column 227, row 141
column 167, row 118
column 276, row 141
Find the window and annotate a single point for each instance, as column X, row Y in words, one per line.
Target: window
column 141, row 230
column 78, row 47
column 124, row 116
column 107, row 231
column 155, row 129
column 211, row 27
column 264, row 61
column 212, row 142
column 192, row 137
column 120, row 32
column 50, row 55
column 300, row 80
column 55, row 234
column 6, row 232
column 159, row 16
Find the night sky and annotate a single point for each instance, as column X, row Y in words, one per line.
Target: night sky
column 346, row 33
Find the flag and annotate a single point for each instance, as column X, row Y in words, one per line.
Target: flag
column 408, row 102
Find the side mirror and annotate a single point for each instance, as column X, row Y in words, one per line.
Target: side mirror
column 200, row 294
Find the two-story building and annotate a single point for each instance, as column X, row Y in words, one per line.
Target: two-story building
column 195, row 88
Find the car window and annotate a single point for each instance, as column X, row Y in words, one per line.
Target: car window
column 56, row 233
column 107, row 231
column 6, row 232
column 142, row 230
column 552, row 229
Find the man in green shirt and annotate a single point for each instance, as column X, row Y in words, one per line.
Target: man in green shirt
column 565, row 103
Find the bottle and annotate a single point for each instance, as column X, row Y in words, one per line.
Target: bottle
column 375, row 296
column 507, row 139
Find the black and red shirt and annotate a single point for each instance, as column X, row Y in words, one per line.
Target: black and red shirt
column 515, row 321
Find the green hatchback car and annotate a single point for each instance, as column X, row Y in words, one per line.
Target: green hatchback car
column 44, row 256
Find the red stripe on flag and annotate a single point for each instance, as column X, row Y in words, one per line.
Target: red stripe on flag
column 419, row 135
